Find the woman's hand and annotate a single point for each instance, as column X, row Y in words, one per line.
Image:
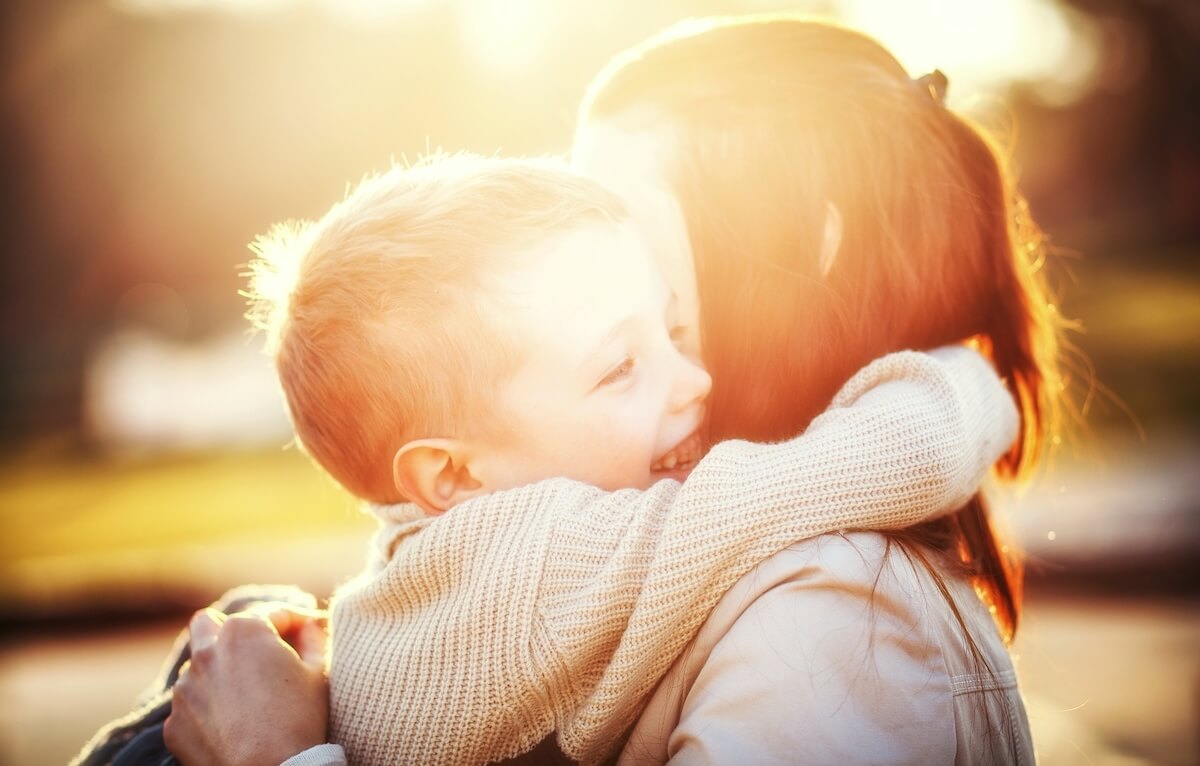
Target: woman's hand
column 247, row 697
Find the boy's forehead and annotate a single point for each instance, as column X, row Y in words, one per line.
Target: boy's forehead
column 591, row 275
column 596, row 258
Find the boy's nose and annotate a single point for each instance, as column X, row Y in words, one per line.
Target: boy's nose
column 692, row 382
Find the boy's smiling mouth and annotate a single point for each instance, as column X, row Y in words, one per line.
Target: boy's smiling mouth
column 680, row 459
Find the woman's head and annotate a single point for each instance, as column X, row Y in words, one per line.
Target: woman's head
column 765, row 134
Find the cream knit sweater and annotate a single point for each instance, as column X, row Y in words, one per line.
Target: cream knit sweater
column 558, row 607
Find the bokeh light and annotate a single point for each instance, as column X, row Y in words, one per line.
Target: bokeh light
column 146, row 461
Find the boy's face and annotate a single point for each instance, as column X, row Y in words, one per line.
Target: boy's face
column 602, row 393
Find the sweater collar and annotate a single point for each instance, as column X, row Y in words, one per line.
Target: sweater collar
column 396, row 513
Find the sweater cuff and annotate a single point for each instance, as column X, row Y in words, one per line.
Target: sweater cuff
column 321, row 755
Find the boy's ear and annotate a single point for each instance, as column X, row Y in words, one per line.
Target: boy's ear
column 831, row 239
column 435, row 474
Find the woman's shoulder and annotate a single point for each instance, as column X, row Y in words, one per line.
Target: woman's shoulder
column 806, row 584
column 842, row 648
column 909, row 597
column 850, row 560
column 826, row 637
column 878, row 586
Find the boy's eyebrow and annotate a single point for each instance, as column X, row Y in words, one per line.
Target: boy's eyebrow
column 608, row 338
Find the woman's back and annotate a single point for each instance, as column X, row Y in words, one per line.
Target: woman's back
column 841, row 649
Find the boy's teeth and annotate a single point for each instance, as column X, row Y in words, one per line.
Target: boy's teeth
column 685, row 453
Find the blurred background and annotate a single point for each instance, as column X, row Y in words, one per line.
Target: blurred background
column 143, row 466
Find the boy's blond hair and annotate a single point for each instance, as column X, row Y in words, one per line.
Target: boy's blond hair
column 378, row 315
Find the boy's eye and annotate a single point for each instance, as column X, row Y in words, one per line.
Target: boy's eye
column 678, row 334
column 618, row 373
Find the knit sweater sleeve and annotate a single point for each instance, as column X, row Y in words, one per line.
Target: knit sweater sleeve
column 558, row 607
column 909, row 437
column 318, row 755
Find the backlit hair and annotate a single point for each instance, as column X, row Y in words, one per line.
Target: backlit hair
column 766, row 120
column 381, row 316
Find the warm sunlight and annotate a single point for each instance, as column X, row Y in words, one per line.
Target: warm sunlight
column 147, row 458
column 984, row 45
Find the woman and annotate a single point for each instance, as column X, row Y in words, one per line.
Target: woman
column 819, row 209
column 771, row 138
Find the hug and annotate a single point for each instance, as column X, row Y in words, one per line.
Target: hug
column 676, row 449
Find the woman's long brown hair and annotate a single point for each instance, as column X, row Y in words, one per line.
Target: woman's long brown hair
column 764, row 123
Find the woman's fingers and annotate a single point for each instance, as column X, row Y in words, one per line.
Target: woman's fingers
column 246, row 697
column 305, row 630
column 204, row 627
column 289, row 619
column 310, row 642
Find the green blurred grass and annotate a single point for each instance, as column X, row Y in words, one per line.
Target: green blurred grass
column 60, row 508
column 1140, row 338
column 76, row 529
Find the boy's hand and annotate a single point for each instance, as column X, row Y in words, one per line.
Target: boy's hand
column 247, row 697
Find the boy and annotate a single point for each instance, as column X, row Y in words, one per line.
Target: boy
column 452, row 336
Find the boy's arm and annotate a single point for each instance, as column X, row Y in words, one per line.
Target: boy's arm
column 912, row 435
